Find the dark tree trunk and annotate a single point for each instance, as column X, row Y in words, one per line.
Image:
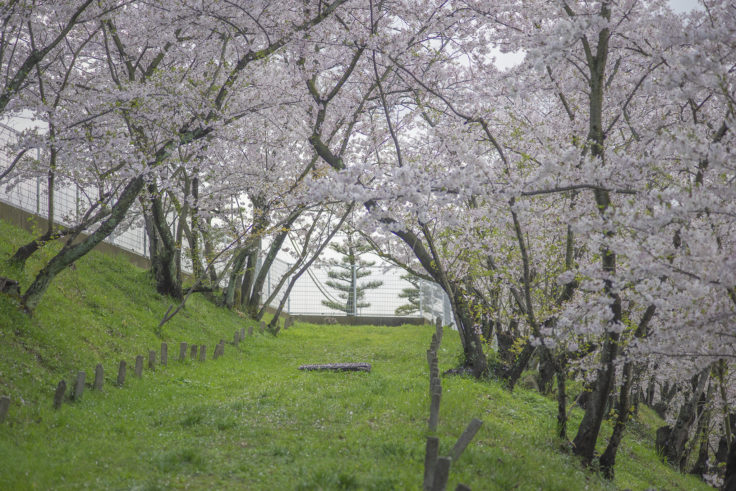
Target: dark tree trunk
column 249, row 274
column 630, row 372
column 475, row 359
column 254, row 302
column 674, row 450
column 546, row 371
column 522, row 361
column 663, row 435
column 608, row 459
column 193, row 236
column 585, row 440
column 702, row 433
column 729, row 479
column 153, row 244
column 71, row 252
column 505, row 341
column 209, row 250
column 561, row 374
column 25, row 251
column 666, row 394
column 234, row 282
column 168, row 273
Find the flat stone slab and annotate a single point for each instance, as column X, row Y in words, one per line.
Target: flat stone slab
column 339, row 367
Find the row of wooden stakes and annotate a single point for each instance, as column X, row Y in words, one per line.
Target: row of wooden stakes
column 196, row 352
column 436, row 468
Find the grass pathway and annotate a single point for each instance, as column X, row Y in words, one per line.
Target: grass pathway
column 251, row 420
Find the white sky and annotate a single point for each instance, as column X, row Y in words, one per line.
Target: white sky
column 684, row 5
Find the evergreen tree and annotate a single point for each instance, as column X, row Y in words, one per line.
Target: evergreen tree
column 416, row 296
column 346, row 274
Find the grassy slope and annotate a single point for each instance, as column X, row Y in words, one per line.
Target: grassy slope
column 250, row 420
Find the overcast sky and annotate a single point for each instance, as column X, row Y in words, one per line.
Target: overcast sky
column 683, row 5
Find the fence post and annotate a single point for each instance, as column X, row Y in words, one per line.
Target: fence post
column 4, row 405
column 121, row 373
column 79, row 386
column 99, row 377
column 139, row 366
column 59, row 394
column 430, row 461
column 355, row 290
column 446, row 309
column 442, row 472
column 465, row 438
column 38, row 188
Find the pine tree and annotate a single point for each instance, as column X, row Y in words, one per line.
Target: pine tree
column 416, row 296
column 346, row 274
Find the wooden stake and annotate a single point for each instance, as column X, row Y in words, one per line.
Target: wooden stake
column 441, row 474
column 79, row 386
column 430, row 461
column 4, row 406
column 99, row 377
column 465, row 438
column 121, row 373
column 139, row 366
column 59, row 394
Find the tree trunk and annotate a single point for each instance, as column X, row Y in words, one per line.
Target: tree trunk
column 256, row 295
column 249, row 274
column 546, row 371
column 505, row 340
column 25, row 251
column 522, row 361
column 561, row 374
column 729, row 479
column 702, row 434
column 674, row 450
column 587, row 435
column 235, row 272
column 608, row 459
column 70, row 253
column 585, row 440
column 475, row 359
column 154, row 244
column 209, row 251
column 168, row 277
column 193, row 236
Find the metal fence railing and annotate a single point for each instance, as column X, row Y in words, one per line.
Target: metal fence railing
column 309, row 292
column 70, row 201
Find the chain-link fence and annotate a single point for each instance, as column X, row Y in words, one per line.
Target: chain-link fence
column 311, row 294
column 396, row 296
column 70, row 201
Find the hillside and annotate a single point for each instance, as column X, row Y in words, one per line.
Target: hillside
column 251, row 420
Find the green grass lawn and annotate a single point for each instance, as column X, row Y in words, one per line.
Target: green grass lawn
column 251, row 420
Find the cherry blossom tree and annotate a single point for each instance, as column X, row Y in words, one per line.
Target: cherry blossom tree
column 160, row 90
